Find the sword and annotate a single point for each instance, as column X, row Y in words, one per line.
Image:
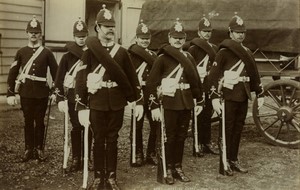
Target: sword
column 47, row 123
column 223, row 167
column 195, row 131
column 86, row 157
column 133, row 144
column 66, row 138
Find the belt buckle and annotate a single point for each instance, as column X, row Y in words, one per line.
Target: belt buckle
column 109, row 84
column 181, row 86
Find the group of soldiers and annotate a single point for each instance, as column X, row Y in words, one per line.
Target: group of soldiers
column 98, row 78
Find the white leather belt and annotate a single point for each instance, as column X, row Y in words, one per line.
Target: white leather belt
column 143, row 83
column 182, row 86
column 244, row 79
column 108, row 84
column 35, row 78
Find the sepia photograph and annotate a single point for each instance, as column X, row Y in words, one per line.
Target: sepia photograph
column 149, row 94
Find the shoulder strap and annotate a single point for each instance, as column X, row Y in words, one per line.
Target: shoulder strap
column 174, row 71
column 72, row 70
column 114, row 50
column 30, row 61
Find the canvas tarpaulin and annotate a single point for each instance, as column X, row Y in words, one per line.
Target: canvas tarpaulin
column 272, row 25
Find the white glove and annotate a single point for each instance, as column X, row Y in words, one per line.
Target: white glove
column 131, row 104
column 217, row 105
column 156, row 114
column 260, row 102
column 139, row 111
column 11, row 100
column 84, row 117
column 198, row 109
column 61, row 106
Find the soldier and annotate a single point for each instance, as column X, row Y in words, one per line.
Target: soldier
column 174, row 75
column 143, row 59
column 32, row 85
column 235, row 69
column 65, row 84
column 204, row 54
column 106, row 80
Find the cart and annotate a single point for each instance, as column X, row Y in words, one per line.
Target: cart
column 273, row 34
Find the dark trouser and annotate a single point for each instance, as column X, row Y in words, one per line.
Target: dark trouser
column 177, row 123
column 105, row 126
column 77, row 133
column 235, row 115
column 34, row 110
column 139, row 132
column 204, row 122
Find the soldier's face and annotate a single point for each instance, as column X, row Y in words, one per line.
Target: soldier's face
column 176, row 41
column 206, row 35
column 34, row 37
column 107, row 32
column 143, row 42
column 237, row 36
column 80, row 40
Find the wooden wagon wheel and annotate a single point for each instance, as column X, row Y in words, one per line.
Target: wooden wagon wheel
column 279, row 118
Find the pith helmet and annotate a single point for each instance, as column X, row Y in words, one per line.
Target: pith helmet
column 177, row 30
column 105, row 17
column 142, row 30
column 80, row 28
column 204, row 25
column 34, row 26
column 237, row 24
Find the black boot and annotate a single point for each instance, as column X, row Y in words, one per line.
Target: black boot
column 75, row 166
column 28, row 154
column 139, row 160
column 151, row 159
column 235, row 166
column 200, row 153
column 209, row 149
column 179, row 174
column 99, row 181
column 169, row 179
column 112, row 182
column 39, row 154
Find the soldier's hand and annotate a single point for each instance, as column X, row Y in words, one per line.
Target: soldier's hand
column 53, row 97
column 11, row 100
column 217, row 105
column 156, row 115
column 198, row 109
column 260, row 102
column 61, row 106
column 139, row 111
column 84, row 117
column 131, row 105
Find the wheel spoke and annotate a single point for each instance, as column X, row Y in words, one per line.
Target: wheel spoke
column 266, row 115
column 271, row 107
column 295, row 124
column 283, row 98
column 276, row 100
column 271, row 125
column 292, row 96
column 279, row 130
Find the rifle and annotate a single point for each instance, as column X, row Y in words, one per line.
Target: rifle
column 195, row 132
column 223, row 166
column 66, row 138
column 133, row 143
column 161, row 167
column 86, row 157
